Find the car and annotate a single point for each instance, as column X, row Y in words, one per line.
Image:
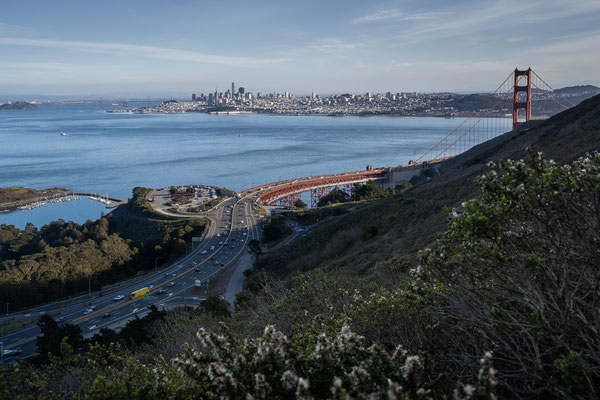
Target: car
column 106, row 315
column 192, row 263
column 119, row 297
column 244, row 233
column 173, row 275
column 171, row 284
column 11, row 352
column 218, row 235
column 135, row 310
column 220, row 242
column 212, row 247
column 222, row 264
column 203, row 252
column 60, row 319
column 86, row 312
column 197, row 269
column 92, row 307
column 161, row 291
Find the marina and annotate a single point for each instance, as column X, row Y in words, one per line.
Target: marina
column 42, row 203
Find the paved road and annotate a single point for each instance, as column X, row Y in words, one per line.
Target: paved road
column 232, row 225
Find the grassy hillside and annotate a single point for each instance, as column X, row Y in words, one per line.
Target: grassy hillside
column 411, row 221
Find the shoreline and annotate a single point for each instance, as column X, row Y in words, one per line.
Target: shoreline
column 258, row 112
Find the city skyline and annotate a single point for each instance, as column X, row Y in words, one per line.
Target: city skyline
column 149, row 49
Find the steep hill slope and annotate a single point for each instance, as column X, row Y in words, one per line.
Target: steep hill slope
column 409, row 222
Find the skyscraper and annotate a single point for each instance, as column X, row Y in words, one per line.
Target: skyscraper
column 232, row 89
column 193, row 96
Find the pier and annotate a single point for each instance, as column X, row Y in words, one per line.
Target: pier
column 116, row 202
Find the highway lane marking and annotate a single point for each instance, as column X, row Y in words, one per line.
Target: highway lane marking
column 84, row 317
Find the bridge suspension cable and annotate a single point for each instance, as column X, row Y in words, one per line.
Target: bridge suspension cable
column 486, row 122
column 541, row 85
column 452, row 143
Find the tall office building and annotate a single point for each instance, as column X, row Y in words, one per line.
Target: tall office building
column 194, row 97
column 242, row 90
column 232, row 89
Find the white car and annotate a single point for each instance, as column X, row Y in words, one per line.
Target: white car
column 171, row 284
column 86, row 312
column 119, row 297
column 13, row 352
column 212, row 247
column 220, row 242
column 203, row 252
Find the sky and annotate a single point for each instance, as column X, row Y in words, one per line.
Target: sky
column 175, row 48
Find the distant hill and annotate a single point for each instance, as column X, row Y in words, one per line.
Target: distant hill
column 579, row 90
column 18, row 105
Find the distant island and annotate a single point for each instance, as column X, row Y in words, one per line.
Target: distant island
column 18, row 105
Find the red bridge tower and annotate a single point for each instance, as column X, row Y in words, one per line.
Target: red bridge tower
column 522, row 96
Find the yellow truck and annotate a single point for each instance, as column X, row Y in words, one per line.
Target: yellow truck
column 139, row 293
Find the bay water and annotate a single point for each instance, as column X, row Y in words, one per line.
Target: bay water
column 114, row 152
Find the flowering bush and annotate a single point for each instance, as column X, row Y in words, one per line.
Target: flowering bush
column 271, row 366
column 518, row 272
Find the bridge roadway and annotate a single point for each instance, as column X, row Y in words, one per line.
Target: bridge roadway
column 272, row 192
column 232, row 225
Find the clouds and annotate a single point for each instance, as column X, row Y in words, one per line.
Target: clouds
column 333, row 45
column 396, row 15
column 339, row 45
column 129, row 50
column 10, row 29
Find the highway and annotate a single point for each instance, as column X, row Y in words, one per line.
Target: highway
column 231, row 226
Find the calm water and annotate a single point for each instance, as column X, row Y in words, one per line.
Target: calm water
column 113, row 153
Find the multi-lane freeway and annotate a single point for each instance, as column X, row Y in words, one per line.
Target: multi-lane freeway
column 232, row 224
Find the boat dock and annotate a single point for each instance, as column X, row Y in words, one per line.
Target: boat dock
column 111, row 202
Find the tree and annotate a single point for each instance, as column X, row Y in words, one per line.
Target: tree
column 53, row 334
column 216, row 307
column 255, row 248
column 300, row 204
column 369, row 191
column 336, row 196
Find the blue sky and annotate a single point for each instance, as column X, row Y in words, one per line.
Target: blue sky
column 141, row 48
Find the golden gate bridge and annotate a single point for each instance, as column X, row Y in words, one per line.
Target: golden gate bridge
column 506, row 108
